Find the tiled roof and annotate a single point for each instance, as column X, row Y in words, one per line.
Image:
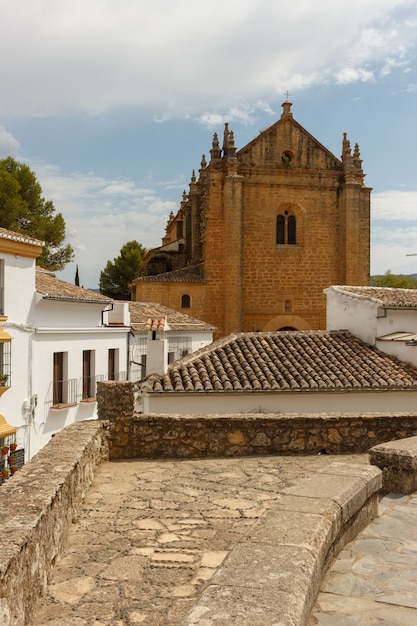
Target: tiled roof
column 193, row 274
column 53, row 288
column 12, row 236
column 286, row 361
column 141, row 312
column 385, row 296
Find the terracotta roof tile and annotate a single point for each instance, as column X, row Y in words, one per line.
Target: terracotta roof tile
column 192, row 274
column 283, row 361
column 385, row 296
column 10, row 234
column 140, row 312
column 53, row 288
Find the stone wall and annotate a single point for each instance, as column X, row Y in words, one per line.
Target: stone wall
column 193, row 436
column 39, row 504
column 398, row 462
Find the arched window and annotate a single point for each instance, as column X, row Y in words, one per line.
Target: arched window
column 185, row 301
column 280, row 229
column 291, row 230
column 286, row 229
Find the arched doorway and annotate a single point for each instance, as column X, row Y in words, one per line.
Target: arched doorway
column 286, row 322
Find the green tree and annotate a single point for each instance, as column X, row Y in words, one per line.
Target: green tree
column 400, row 281
column 24, row 210
column 119, row 273
column 77, row 276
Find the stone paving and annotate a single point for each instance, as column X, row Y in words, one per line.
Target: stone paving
column 151, row 533
column 373, row 582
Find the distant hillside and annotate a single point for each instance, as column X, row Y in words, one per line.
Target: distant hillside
column 413, row 276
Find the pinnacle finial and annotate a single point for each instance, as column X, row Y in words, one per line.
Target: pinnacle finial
column 215, row 151
column 286, row 109
column 226, row 135
column 346, row 151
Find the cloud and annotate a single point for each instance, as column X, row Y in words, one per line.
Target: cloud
column 178, row 58
column 243, row 113
column 395, row 206
column 9, row 146
column 101, row 216
column 394, row 232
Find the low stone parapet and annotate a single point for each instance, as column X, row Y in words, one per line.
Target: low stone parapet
column 201, row 436
column 135, row 435
column 272, row 577
column 398, row 462
column 39, row 503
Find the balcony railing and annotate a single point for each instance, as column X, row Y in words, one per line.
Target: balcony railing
column 116, row 376
column 64, row 392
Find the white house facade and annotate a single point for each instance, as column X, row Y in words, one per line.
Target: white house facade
column 149, row 350
column 61, row 343
column 384, row 317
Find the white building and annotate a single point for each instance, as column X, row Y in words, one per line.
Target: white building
column 283, row 372
column 57, row 342
column 381, row 316
column 160, row 335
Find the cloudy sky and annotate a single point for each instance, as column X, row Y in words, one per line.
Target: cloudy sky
column 113, row 102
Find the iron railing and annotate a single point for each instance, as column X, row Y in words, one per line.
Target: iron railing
column 64, row 391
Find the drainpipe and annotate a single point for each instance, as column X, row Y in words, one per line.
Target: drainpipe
column 103, row 311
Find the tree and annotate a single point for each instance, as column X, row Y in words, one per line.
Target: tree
column 77, row 276
column 24, row 210
column 400, row 281
column 119, row 273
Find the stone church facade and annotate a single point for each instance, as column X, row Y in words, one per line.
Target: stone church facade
column 262, row 231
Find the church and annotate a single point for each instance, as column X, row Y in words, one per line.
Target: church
column 262, row 231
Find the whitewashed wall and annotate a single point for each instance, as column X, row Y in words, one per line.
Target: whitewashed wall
column 19, row 286
column 64, row 314
column 348, row 312
column 287, row 402
column 32, row 375
column 197, row 340
column 396, row 320
column 39, row 328
column 366, row 320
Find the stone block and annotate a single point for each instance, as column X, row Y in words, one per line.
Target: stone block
column 398, row 462
column 369, row 474
column 310, row 531
column 350, row 492
column 240, row 606
column 259, row 584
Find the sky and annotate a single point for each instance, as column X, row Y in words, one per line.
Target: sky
column 112, row 104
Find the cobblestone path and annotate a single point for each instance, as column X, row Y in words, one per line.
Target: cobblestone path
column 151, row 533
column 373, row 581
